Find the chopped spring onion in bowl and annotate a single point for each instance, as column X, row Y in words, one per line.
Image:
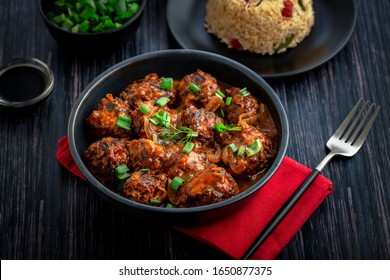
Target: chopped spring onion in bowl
column 92, row 16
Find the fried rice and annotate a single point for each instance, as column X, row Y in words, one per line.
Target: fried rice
column 260, row 26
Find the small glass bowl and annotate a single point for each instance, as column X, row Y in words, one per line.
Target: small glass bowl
column 40, row 67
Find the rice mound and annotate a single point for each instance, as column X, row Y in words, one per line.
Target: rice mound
column 260, row 26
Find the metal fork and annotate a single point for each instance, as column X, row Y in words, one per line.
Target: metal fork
column 346, row 141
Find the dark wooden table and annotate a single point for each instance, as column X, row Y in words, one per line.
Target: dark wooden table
column 47, row 213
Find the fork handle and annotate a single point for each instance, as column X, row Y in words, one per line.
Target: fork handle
column 283, row 211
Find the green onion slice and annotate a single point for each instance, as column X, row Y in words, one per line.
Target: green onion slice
column 81, row 16
column 194, row 88
column 170, row 205
column 124, row 118
column 220, row 127
column 155, row 201
column 188, row 147
column 123, row 176
column 244, row 92
column 233, row 147
column 231, row 127
column 155, row 120
column 121, row 169
column 161, row 118
column 144, row 170
column 162, row 101
column 176, row 183
column 228, row 100
column 254, row 148
column 220, row 94
column 124, row 122
column 144, row 109
column 166, row 83
column 120, row 186
column 241, row 151
column 192, row 134
column 121, row 172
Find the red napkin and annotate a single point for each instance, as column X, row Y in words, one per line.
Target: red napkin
column 234, row 234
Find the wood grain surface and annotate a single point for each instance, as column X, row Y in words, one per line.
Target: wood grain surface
column 47, row 213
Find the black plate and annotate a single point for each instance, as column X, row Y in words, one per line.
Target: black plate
column 334, row 24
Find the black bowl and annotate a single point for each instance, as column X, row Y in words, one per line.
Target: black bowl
column 176, row 64
column 90, row 42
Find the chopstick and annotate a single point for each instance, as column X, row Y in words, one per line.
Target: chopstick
column 279, row 216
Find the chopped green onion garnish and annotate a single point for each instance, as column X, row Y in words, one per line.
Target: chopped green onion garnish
column 120, row 6
column 124, row 122
column 155, row 201
column 220, row 94
column 144, row 109
column 121, row 172
column 67, row 24
column 194, row 88
column 188, row 147
column 241, row 151
column 96, row 15
column 228, row 100
column 176, row 183
column 192, row 134
column 165, row 118
column 166, row 83
column 144, row 170
column 121, row 169
column 233, row 147
column 170, row 205
column 244, row 92
column 254, row 148
column 124, row 118
column 220, row 127
column 59, row 19
column 123, row 176
column 162, row 101
column 155, row 120
column 120, row 186
column 235, row 128
column 161, row 118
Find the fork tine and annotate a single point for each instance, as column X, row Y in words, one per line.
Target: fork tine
column 346, row 135
column 359, row 142
column 347, row 120
column 360, row 125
